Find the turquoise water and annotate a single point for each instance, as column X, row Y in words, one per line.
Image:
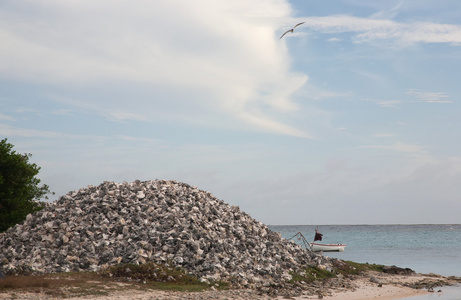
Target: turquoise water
column 423, row 248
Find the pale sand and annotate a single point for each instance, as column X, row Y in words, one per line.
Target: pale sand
column 392, row 288
column 368, row 290
column 383, row 293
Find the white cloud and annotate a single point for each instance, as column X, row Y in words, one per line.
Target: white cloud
column 371, row 29
column 388, row 103
column 384, row 135
column 221, row 56
column 401, row 147
column 384, row 192
column 389, row 13
column 64, row 112
column 12, row 131
column 385, row 103
column 334, row 39
column 6, row 117
column 429, row 97
column 418, row 96
column 125, row 116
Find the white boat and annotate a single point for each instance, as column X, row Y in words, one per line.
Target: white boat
column 316, row 247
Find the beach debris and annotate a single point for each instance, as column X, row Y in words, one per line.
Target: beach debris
column 300, row 237
column 377, row 280
column 156, row 221
column 397, row 270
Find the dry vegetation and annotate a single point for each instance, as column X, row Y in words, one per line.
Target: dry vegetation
column 60, row 285
column 78, row 284
column 150, row 277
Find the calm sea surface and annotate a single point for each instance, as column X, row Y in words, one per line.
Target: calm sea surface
column 423, row 248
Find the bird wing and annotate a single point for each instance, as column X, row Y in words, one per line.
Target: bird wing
column 298, row 24
column 285, row 33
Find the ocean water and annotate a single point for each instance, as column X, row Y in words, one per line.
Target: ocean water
column 423, row 248
column 448, row 293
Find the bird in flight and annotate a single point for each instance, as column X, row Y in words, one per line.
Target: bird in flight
column 291, row 30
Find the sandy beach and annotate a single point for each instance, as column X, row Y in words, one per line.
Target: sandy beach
column 369, row 286
column 392, row 287
column 384, row 287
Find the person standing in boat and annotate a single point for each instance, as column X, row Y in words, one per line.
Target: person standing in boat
column 318, row 235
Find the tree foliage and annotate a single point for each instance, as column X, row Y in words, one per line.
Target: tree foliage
column 19, row 188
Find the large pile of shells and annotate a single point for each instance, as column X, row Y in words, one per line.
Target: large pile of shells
column 151, row 221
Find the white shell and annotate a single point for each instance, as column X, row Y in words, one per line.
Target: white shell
column 158, row 221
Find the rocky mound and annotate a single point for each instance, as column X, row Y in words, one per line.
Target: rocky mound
column 158, row 221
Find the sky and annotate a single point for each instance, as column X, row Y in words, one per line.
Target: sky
column 352, row 118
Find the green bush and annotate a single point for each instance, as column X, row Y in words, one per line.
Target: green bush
column 162, row 276
column 353, row 268
column 19, row 188
column 311, row 274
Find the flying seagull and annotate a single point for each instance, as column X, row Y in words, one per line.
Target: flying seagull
column 291, row 30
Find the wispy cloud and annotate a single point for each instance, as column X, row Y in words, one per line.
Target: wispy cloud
column 429, row 97
column 191, row 63
column 63, row 111
column 125, row 116
column 373, row 29
column 401, row 147
column 136, row 139
column 12, row 131
column 22, row 110
column 385, row 103
column 6, row 117
column 417, row 96
column 384, row 135
column 334, row 39
column 389, row 13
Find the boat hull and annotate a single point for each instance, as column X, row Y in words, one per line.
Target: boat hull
column 316, row 247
